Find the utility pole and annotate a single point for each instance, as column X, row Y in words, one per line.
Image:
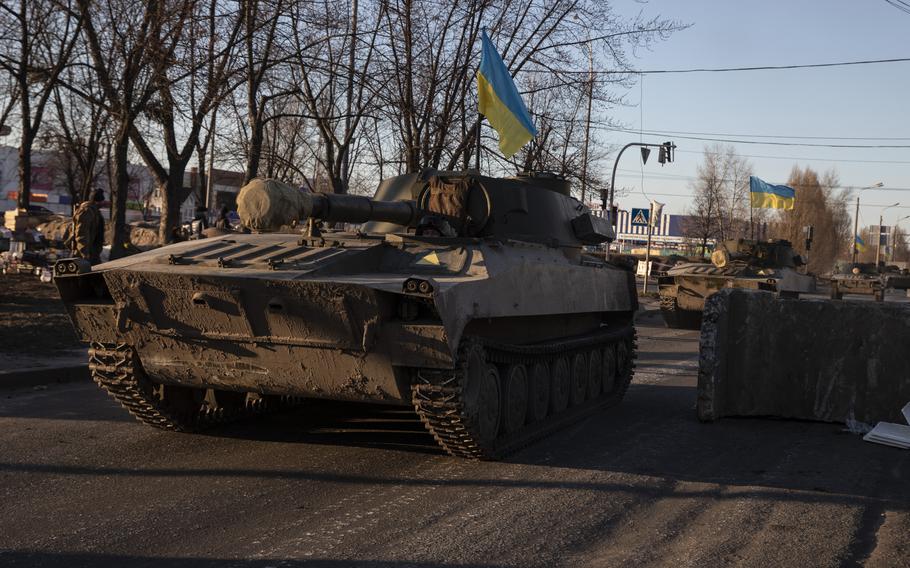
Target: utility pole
column 584, row 160
column 878, row 245
column 855, row 229
column 210, row 178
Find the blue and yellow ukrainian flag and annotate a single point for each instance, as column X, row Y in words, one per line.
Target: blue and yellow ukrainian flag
column 500, row 102
column 765, row 195
column 860, row 244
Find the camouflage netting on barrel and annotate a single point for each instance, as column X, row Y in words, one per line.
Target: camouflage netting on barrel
column 266, row 204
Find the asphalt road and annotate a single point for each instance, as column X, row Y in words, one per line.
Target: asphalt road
column 81, row 484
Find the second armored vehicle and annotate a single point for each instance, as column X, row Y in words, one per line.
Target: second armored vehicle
column 466, row 297
column 762, row 265
column 863, row 278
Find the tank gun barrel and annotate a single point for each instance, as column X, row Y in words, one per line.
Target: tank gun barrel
column 268, row 204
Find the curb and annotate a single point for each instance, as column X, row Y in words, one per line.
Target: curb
column 36, row 376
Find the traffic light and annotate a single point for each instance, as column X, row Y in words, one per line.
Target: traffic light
column 666, row 153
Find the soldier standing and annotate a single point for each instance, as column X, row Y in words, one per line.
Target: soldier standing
column 88, row 229
column 222, row 221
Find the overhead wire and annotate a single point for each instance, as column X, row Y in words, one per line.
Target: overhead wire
column 769, row 143
column 729, row 69
column 900, row 5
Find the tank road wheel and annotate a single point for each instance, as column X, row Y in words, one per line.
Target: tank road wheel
column 625, row 367
column 559, row 385
column 608, row 366
column 515, row 409
column 579, row 383
column 595, row 382
column 482, row 401
column 462, row 408
column 539, row 392
column 475, row 413
column 118, row 371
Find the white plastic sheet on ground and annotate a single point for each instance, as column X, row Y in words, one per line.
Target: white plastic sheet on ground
column 890, row 434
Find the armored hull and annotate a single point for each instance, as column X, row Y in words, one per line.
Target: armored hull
column 494, row 339
column 752, row 265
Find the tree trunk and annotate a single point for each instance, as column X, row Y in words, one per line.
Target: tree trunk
column 171, row 191
column 255, row 154
column 120, row 185
column 25, row 172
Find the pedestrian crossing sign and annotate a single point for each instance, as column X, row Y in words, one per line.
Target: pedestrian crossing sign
column 640, row 216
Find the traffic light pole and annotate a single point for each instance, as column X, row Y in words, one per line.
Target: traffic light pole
column 665, row 156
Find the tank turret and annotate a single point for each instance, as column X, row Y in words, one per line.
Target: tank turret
column 451, row 204
column 770, row 253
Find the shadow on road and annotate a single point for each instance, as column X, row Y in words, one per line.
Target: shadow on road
column 654, row 434
column 94, row 560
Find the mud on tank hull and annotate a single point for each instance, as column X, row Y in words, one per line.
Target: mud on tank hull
column 208, row 331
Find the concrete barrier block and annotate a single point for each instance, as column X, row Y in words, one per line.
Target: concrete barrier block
column 821, row 360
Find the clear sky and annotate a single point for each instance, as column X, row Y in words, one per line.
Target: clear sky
column 861, row 101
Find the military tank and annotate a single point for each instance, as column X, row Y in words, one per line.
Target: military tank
column 762, row 265
column 864, row 278
column 466, row 297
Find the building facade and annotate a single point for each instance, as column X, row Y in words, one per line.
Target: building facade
column 667, row 234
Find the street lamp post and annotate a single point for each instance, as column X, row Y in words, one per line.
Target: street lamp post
column 878, row 248
column 856, row 217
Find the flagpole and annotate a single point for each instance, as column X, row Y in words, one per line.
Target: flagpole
column 751, row 226
column 477, row 157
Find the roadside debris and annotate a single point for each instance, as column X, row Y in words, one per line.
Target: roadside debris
column 890, row 434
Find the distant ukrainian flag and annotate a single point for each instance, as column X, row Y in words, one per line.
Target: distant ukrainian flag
column 500, row 102
column 765, row 195
column 860, row 244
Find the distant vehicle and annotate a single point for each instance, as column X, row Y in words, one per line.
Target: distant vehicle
column 39, row 211
column 864, row 279
column 760, row 265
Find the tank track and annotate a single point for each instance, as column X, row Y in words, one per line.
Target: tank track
column 438, row 395
column 677, row 318
column 117, row 370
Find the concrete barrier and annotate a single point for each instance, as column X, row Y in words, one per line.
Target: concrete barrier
column 821, row 360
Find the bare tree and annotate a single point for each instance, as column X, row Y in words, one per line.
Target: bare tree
column 131, row 46
column 37, row 39
column 721, row 208
column 200, row 75
column 77, row 131
column 818, row 203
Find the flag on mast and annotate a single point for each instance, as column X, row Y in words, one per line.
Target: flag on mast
column 657, row 209
column 499, row 101
column 765, row 195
